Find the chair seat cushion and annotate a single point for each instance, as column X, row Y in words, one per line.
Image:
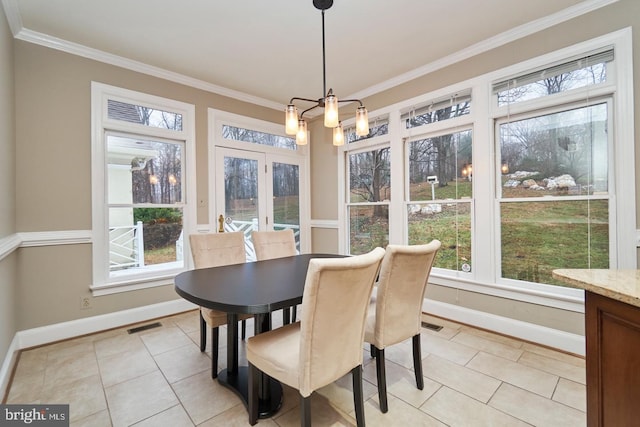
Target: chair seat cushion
column 215, row 318
column 277, row 353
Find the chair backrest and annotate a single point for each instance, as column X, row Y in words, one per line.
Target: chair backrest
column 274, row 244
column 404, row 273
column 216, row 249
column 334, row 308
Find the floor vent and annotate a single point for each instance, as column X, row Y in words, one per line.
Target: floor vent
column 144, row 327
column 431, row 326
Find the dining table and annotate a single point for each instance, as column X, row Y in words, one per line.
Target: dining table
column 258, row 288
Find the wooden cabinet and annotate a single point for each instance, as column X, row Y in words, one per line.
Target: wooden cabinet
column 613, row 362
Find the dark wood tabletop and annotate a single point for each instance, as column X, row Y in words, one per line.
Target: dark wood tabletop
column 252, row 288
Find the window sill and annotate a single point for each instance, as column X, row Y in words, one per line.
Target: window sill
column 562, row 298
column 134, row 284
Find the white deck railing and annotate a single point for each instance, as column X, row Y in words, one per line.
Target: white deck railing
column 248, row 226
column 126, row 243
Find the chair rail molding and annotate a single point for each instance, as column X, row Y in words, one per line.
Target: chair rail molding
column 325, row 223
column 8, row 244
column 54, row 238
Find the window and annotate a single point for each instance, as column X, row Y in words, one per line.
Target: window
column 440, row 191
column 518, row 172
column 587, row 70
column 141, row 146
column 554, row 207
column 369, row 195
column 257, row 137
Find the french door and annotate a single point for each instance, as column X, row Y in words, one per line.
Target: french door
column 257, row 191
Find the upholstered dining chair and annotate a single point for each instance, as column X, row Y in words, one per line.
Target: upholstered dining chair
column 214, row 250
column 275, row 244
column 395, row 310
column 327, row 342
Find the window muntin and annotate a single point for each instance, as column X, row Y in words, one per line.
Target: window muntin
column 557, row 154
column 581, row 72
column 258, row 137
column 144, row 115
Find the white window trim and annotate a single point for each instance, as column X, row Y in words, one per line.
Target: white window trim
column 485, row 239
column 100, row 123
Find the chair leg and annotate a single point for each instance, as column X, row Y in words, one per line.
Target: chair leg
column 294, row 313
column 253, row 394
column 358, row 401
column 417, row 361
column 244, row 329
column 372, row 350
column 305, row 411
column 214, row 352
column 203, row 333
column 382, row 380
column 286, row 316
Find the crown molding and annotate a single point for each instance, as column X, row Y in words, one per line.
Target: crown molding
column 140, row 67
column 487, row 45
column 21, row 33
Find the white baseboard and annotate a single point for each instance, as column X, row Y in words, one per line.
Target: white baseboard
column 7, row 366
column 65, row 330
column 565, row 341
column 74, row 328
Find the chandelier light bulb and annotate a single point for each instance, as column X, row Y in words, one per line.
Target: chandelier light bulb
column 291, row 120
column 301, row 135
column 338, row 135
column 331, row 110
column 362, row 121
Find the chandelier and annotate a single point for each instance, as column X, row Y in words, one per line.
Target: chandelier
column 296, row 125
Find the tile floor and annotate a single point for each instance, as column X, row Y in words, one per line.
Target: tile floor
column 159, row 377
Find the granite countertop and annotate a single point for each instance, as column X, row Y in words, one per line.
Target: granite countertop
column 621, row 285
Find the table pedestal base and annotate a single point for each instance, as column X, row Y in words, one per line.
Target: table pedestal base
column 238, row 384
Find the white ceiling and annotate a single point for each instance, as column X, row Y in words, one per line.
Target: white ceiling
column 272, row 50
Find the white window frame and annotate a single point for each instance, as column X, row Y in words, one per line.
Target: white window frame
column 103, row 284
column 484, row 111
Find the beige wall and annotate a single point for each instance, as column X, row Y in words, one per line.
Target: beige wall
column 624, row 13
column 53, row 176
column 7, row 186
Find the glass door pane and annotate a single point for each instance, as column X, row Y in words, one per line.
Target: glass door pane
column 240, row 193
column 286, row 198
